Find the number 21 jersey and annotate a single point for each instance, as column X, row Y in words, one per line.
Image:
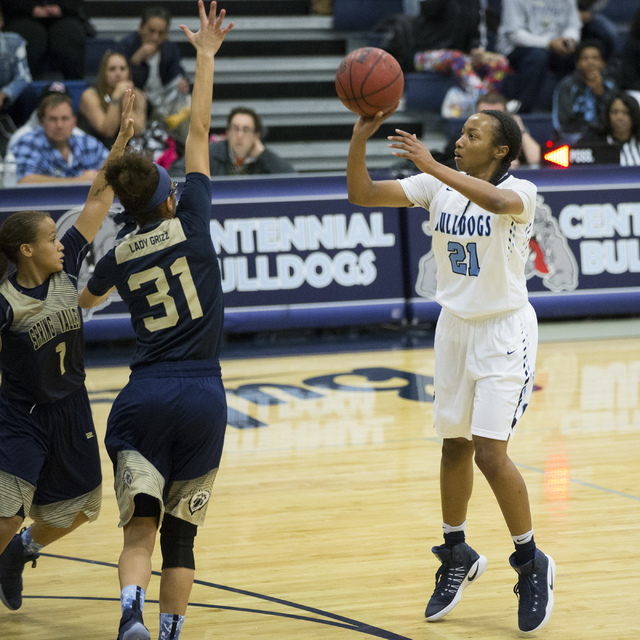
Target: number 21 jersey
column 480, row 256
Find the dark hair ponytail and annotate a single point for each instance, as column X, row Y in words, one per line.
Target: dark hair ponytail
column 4, row 264
column 18, row 229
column 506, row 132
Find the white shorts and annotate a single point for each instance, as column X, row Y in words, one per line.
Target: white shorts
column 483, row 373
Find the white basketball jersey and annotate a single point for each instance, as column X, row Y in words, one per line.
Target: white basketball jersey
column 480, row 256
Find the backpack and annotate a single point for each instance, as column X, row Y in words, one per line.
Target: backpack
column 396, row 35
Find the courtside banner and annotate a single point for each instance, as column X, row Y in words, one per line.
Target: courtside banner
column 292, row 253
column 315, row 262
column 584, row 252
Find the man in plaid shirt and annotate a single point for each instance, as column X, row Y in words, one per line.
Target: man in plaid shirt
column 53, row 152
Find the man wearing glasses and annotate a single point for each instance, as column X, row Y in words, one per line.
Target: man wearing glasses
column 242, row 152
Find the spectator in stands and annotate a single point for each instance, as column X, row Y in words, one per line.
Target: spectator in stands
column 242, row 152
column 156, row 67
column 33, row 122
column 100, row 107
column 17, row 99
column 596, row 26
column 539, row 38
column 630, row 67
column 55, row 32
column 580, row 99
column 620, row 126
column 449, row 42
column 530, row 152
column 53, row 152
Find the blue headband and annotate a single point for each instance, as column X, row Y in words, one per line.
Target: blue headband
column 162, row 190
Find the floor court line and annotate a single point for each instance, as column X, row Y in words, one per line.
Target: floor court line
column 335, row 620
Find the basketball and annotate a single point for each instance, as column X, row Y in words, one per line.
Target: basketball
column 369, row 80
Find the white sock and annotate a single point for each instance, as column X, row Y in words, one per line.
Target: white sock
column 447, row 528
column 524, row 538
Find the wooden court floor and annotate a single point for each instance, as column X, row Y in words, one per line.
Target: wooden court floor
column 326, row 506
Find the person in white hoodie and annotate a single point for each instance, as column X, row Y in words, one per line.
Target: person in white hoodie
column 539, row 37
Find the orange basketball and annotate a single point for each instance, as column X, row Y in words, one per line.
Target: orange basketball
column 369, row 80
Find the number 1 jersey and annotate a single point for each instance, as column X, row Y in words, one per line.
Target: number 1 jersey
column 42, row 357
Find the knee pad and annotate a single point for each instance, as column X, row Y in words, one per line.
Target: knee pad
column 176, row 542
column 146, row 506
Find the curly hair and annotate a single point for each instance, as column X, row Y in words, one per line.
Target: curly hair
column 505, row 132
column 18, row 229
column 134, row 180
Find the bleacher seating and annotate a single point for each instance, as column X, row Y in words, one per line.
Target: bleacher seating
column 621, row 11
column 96, row 48
column 361, row 15
column 75, row 87
column 540, row 127
column 281, row 60
column 426, row 90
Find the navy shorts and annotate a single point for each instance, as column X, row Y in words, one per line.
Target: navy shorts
column 174, row 414
column 52, row 446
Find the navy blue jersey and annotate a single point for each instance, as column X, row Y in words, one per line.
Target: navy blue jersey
column 168, row 276
column 42, row 342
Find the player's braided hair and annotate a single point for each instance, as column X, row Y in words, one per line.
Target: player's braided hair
column 18, row 229
column 134, row 180
column 505, row 132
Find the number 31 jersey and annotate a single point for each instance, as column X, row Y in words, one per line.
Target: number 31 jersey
column 480, row 256
column 168, row 276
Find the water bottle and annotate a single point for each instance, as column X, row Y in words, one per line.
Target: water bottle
column 9, row 170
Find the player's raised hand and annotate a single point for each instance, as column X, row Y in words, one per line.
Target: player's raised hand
column 211, row 34
column 368, row 126
column 126, row 117
column 411, row 148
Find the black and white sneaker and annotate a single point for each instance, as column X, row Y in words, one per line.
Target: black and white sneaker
column 534, row 591
column 460, row 566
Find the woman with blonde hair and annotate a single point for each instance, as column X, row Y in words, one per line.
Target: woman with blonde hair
column 101, row 106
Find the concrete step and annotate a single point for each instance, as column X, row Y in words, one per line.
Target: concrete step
column 300, row 111
column 301, row 69
column 246, row 28
column 318, row 119
column 131, row 8
column 284, row 67
column 332, row 155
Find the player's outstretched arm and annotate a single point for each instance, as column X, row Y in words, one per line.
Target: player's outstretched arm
column 100, row 195
column 362, row 190
column 206, row 41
